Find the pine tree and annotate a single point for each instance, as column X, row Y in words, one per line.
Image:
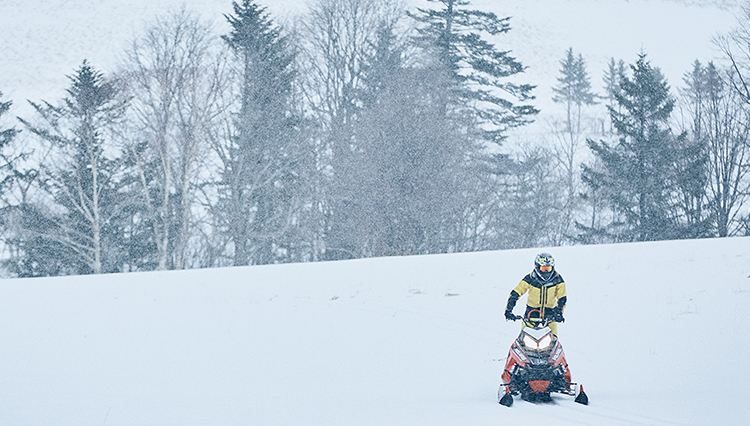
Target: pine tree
column 612, row 76
column 381, row 65
column 406, row 183
column 6, row 135
column 480, row 72
column 7, row 166
column 692, row 157
column 80, row 179
column 7, row 159
column 258, row 177
column 638, row 171
column 360, row 190
column 573, row 89
column 574, row 92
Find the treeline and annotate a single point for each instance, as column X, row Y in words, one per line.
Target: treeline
column 360, row 130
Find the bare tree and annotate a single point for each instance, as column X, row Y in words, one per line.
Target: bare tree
column 339, row 34
column 176, row 82
column 719, row 121
column 337, row 38
column 729, row 136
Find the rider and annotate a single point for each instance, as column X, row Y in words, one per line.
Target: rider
column 546, row 290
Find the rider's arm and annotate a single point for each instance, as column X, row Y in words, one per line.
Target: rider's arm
column 517, row 292
column 562, row 297
column 512, row 301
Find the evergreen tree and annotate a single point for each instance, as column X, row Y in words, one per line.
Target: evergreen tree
column 574, row 92
column 379, row 67
column 6, row 135
column 7, row 158
column 15, row 182
column 611, row 80
column 7, row 167
column 573, row 89
column 638, row 171
column 405, row 184
column 360, row 190
column 480, row 72
column 258, row 177
column 80, row 179
column 692, row 158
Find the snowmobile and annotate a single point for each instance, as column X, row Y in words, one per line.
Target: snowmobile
column 536, row 366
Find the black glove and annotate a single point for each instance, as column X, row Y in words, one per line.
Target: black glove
column 512, row 299
column 557, row 315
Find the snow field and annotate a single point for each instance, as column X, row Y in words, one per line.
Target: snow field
column 656, row 332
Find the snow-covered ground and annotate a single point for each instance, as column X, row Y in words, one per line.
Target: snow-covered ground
column 657, row 333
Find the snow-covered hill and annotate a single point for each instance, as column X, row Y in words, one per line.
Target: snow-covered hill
column 657, row 333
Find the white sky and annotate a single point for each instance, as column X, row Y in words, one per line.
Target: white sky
column 42, row 41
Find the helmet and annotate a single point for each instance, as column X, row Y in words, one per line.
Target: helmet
column 544, row 265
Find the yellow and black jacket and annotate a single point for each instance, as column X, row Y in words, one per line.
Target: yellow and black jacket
column 548, row 294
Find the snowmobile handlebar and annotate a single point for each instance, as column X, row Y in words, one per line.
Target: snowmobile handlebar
column 532, row 322
column 537, row 322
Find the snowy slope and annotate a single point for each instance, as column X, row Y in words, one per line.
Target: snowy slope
column 657, row 332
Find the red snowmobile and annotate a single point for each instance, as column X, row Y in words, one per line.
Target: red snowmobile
column 536, row 367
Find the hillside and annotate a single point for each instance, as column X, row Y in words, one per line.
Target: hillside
column 657, row 332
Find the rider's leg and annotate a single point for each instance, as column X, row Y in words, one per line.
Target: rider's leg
column 553, row 327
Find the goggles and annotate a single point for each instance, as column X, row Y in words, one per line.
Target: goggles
column 545, row 268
